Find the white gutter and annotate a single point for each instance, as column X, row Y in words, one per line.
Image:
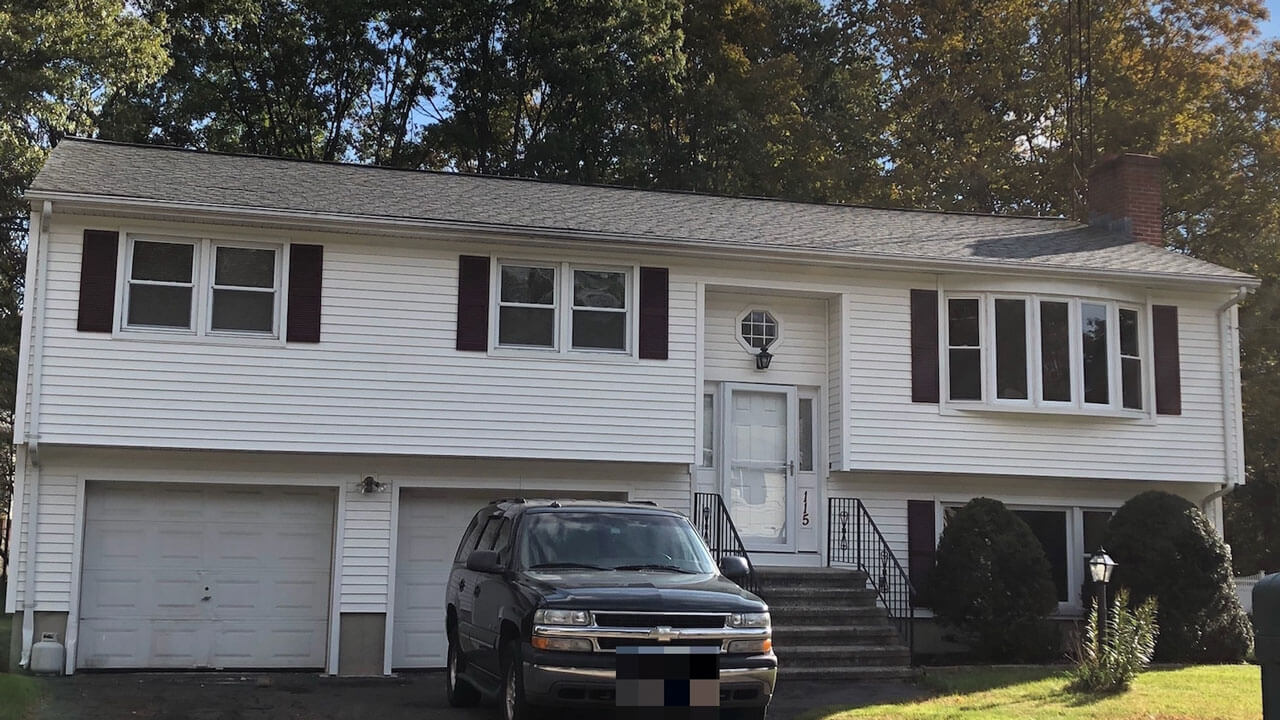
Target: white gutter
column 1232, row 441
column 35, row 308
column 558, row 237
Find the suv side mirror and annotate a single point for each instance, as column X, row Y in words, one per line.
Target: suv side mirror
column 734, row 567
column 485, row 561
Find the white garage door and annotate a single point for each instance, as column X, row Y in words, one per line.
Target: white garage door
column 196, row 576
column 431, row 526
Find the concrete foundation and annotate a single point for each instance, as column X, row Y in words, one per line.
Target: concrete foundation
column 360, row 644
column 54, row 622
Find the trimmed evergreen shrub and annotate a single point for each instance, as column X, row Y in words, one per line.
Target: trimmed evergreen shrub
column 1167, row 549
column 993, row 585
column 1110, row 661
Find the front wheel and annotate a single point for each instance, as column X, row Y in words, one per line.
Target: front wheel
column 457, row 689
column 514, row 706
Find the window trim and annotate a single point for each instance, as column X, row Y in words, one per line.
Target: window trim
column 563, row 310
column 276, row 290
column 1035, row 356
column 498, row 304
column 747, row 310
column 1074, row 605
column 126, row 298
column 202, row 290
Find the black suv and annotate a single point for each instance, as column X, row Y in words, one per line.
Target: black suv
column 590, row 603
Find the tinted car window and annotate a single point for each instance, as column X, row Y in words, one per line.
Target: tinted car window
column 611, row 540
column 490, row 533
column 469, row 538
column 502, row 543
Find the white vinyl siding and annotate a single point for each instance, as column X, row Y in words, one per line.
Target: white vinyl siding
column 366, row 551
column 54, row 542
column 799, row 355
column 887, row 432
column 385, row 377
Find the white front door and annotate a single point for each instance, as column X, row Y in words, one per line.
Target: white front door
column 759, row 481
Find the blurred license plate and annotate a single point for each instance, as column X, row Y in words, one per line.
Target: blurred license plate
column 657, row 676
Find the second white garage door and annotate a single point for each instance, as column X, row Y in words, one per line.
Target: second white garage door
column 205, row 576
column 431, row 526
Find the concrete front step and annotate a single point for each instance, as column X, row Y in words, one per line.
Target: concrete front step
column 820, row 594
column 842, row 655
column 848, row 673
column 828, row 614
column 810, row 577
column 873, row 633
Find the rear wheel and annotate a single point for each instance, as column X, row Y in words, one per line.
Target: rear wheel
column 459, row 691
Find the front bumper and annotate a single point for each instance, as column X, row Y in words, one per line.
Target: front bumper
column 573, row 679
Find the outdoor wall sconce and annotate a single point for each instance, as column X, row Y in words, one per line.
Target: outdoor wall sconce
column 370, row 485
column 763, row 358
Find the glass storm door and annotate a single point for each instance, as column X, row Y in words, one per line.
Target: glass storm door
column 760, row 472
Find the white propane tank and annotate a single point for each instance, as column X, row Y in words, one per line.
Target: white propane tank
column 48, row 656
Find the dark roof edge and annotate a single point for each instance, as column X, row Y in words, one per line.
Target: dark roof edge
column 562, row 183
column 674, row 245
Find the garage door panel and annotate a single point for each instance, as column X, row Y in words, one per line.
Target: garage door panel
column 431, row 525
column 160, row 593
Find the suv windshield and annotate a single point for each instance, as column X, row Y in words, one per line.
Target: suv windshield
column 612, row 541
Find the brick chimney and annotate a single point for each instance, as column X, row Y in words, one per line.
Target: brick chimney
column 1123, row 194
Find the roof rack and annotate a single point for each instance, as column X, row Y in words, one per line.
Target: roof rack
column 643, row 502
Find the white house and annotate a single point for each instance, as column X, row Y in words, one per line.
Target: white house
column 261, row 397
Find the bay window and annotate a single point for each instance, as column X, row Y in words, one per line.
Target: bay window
column 1050, row 353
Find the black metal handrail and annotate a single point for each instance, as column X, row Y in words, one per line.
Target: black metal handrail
column 711, row 518
column 853, row 539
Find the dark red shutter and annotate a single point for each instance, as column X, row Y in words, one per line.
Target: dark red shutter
column 306, row 269
column 98, row 280
column 924, row 346
column 473, row 303
column 1164, row 331
column 653, row 313
column 921, row 548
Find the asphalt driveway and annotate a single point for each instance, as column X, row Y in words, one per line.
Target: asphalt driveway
column 298, row 696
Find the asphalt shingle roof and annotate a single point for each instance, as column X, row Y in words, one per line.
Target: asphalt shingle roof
column 115, row 170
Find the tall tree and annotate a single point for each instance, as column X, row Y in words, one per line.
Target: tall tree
column 58, row 62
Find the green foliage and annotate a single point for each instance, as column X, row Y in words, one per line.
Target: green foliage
column 59, row 63
column 1167, row 549
column 998, row 587
column 1110, row 660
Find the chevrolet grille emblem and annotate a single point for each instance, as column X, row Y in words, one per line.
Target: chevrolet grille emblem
column 664, row 634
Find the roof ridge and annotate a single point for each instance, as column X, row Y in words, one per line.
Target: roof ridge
column 566, row 183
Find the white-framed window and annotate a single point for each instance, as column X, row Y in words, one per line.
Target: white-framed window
column 160, row 292
column 527, row 305
column 1068, row 534
column 202, row 286
column 1036, row 352
column 564, row 307
column 757, row 327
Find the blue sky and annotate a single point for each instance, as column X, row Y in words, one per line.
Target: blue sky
column 1271, row 28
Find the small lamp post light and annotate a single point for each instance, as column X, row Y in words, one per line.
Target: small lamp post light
column 763, row 358
column 1100, row 568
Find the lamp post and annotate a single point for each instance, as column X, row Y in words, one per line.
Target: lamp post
column 1100, row 567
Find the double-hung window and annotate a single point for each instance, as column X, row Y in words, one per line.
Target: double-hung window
column 564, row 307
column 202, row 287
column 1040, row 352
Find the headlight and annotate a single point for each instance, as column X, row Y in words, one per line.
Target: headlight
column 542, row 642
column 752, row 647
column 749, row 620
column 562, row 617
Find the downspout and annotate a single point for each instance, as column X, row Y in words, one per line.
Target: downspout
column 1230, row 360
column 35, row 306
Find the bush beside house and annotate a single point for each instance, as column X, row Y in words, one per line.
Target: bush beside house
column 999, row 586
column 1167, row 549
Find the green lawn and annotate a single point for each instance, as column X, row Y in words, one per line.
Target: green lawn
column 18, row 696
column 1213, row 692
